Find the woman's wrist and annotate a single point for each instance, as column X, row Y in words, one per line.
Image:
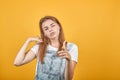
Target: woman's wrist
column 69, row 58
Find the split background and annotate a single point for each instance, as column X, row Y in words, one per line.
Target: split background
column 94, row 25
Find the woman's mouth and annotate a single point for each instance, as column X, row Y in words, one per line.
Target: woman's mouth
column 52, row 33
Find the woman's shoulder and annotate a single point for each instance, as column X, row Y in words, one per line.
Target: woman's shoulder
column 71, row 45
column 35, row 46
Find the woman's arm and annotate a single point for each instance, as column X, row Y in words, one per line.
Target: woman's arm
column 69, row 70
column 70, row 64
column 70, row 60
column 24, row 57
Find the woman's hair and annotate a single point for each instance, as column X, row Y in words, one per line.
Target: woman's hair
column 43, row 45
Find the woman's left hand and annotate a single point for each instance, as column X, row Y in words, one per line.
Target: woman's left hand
column 64, row 53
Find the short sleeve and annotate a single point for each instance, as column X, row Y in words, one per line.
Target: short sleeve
column 74, row 52
column 35, row 48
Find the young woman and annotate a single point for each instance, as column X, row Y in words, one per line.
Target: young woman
column 56, row 58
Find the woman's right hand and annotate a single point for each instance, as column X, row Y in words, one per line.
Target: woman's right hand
column 37, row 39
column 23, row 56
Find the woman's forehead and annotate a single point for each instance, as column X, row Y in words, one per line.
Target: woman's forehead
column 48, row 23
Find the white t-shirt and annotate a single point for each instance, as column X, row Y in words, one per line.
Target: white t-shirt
column 71, row 47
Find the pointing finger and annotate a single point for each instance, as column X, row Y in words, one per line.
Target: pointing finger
column 64, row 45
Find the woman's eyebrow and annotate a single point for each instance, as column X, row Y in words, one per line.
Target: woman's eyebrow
column 45, row 27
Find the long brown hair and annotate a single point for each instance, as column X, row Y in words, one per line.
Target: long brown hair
column 43, row 45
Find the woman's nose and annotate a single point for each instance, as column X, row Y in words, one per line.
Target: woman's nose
column 50, row 30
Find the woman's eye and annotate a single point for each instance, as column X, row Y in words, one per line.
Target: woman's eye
column 46, row 28
column 53, row 25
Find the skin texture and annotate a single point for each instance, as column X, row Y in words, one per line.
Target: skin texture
column 51, row 31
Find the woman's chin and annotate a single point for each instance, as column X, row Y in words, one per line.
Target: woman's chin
column 53, row 37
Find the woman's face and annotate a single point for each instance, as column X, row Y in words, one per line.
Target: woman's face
column 50, row 29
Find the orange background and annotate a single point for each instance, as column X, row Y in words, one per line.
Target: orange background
column 94, row 25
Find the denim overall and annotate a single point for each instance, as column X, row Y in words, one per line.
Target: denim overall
column 53, row 67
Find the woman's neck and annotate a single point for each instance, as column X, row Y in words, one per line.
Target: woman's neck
column 54, row 42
